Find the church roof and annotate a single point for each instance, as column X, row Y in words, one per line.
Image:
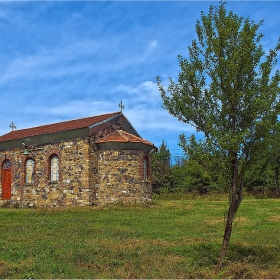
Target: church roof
column 122, row 136
column 57, row 127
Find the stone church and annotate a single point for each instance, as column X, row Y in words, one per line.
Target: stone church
column 89, row 161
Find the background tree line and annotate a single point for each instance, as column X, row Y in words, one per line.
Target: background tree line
column 201, row 171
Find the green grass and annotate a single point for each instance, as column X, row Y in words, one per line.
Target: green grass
column 166, row 239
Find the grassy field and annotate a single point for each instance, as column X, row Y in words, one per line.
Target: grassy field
column 166, row 239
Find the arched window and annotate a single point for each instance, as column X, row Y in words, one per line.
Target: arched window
column 145, row 169
column 29, row 171
column 7, row 164
column 54, row 168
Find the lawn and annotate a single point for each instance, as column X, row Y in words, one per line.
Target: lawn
column 165, row 239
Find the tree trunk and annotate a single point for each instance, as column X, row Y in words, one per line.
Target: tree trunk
column 277, row 180
column 235, row 199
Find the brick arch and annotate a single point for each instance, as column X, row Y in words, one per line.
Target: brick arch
column 23, row 160
column 52, row 152
column 34, row 170
column 11, row 159
column 145, row 174
column 6, row 158
column 145, row 168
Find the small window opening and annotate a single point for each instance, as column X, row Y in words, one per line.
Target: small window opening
column 145, row 169
column 29, row 171
column 54, row 164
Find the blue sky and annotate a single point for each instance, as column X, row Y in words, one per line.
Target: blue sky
column 65, row 60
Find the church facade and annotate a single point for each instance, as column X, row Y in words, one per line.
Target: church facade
column 89, row 161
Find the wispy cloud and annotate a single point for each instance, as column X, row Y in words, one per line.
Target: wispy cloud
column 54, row 62
column 142, row 106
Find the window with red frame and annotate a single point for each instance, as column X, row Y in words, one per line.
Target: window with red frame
column 54, row 168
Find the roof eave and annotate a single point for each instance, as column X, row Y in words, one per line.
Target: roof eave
column 147, row 148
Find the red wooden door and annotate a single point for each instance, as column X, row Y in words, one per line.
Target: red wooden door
column 6, row 180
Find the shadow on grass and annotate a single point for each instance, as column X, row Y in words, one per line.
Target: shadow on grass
column 258, row 262
column 242, row 262
column 260, row 254
column 197, row 260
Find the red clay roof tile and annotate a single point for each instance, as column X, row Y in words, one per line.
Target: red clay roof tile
column 122, row 136
column 56, row 127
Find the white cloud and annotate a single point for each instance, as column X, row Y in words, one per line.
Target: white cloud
column 153, row 44
column 143, row 107
column 143, row 116
column 53, row 62
column 145, row 93
column 156, row 120
column 86, row 56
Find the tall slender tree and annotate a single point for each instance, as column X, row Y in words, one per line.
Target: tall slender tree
column 227, row 89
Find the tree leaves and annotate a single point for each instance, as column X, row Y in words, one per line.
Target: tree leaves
column 226, row 87
column 227, row 90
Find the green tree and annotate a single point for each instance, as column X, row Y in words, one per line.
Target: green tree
column 209, row 158
column 189, row 176
column 274, row 154
column 227, row 89
column 161, row 169
column 263, row 172
column 259, row 178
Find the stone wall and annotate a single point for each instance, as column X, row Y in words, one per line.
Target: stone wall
column 87, row 176
column 120, row 177
column 76, row 177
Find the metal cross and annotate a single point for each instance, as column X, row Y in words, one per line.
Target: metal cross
column 12, row 126
column 121, row 106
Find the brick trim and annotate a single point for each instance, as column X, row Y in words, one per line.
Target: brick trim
column 35, row 180
column 52, row 152
column 141, row 167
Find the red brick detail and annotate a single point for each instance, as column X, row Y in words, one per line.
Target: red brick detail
column 6, row 158
column 122, row 136
column 141, row 165
column 23, row 179
column 52, row 152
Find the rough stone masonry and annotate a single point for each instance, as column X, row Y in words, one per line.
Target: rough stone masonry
column 99, row 163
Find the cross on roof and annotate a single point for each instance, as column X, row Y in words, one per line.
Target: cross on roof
column 12, row 126
column 121, row 106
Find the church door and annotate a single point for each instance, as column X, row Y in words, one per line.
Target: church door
column 6, row 180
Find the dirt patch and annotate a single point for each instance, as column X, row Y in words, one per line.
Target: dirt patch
column 241, row 270
column 4, row 269
column 214, row 221
column 188, row 207
column 274, row 218
column 242, row 220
